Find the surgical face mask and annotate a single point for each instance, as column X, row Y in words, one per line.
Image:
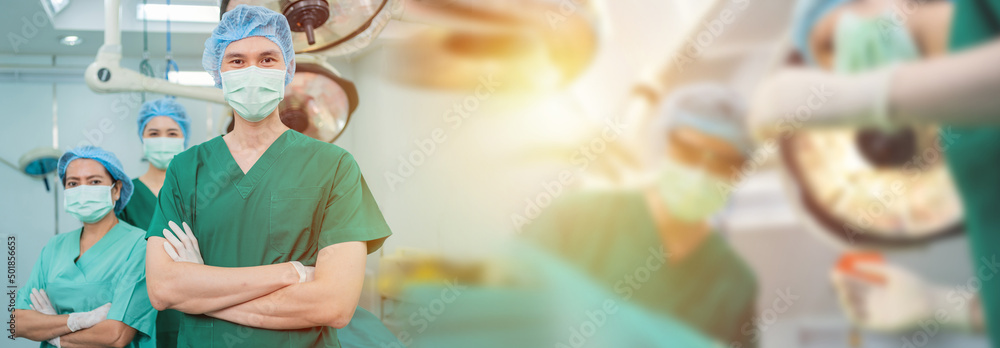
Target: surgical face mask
column 254, row 92
column 866, row 43
column 160, row 150
column 691, row 194
column 89, row 203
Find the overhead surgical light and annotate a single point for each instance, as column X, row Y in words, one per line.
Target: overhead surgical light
column 336, row 27
column 531, row 44
column 871, row 188
column 177, row 13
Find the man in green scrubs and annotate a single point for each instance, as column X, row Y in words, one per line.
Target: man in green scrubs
column 958, row 92
column 261, row 201
column 974, row 161
column 655, row 246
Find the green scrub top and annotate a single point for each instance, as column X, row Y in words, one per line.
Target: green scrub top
column 612, row 236
column 139, row 212
column 299, row 197
column 113, row 270
column 974, row 160
column 539, row 300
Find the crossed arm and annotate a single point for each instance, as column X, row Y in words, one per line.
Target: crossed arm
column 40, row 327
column 268, row 297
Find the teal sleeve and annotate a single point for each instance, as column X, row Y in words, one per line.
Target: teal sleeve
column 35, row 281
column 351, row 212
column 169, row 205
column 130, row 302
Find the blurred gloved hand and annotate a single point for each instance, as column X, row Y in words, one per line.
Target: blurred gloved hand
column 41, row 304
column 799, row 98
column 901, row 301
column 86, row 320
column 181, row 244
column 306, row 273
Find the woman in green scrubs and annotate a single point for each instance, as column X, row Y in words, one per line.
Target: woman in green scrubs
column 959, row 92
column 260, row 207
column 655, row 246
column 88, row 286
column 164, row 130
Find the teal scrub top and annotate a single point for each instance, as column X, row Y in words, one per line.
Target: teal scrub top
column 540, row 301
column 299, row 197
column 612, row 236
column 139, row 210
column 113, row 270
column 138, row 213
column 973, row 155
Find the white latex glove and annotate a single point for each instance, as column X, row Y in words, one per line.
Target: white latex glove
column 798, row 98
column 86, row 320
column 41, row 304
column 181, row 244
column 903, row 302
column 306, row 273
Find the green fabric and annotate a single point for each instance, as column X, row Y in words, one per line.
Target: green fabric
column 139, row 210
column 365, row 331
column 973, row 156
column 112, row 270
column 612, row 237
column 544, row 302
column 300, row 196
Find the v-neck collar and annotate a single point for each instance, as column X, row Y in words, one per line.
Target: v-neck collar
column 245, row 182
column 81, row 259
column 141, row 187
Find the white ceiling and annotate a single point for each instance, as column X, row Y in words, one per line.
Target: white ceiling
column 84, row 18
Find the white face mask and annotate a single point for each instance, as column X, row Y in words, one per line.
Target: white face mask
column 160, row 150
column 691, row 194
column 864, row 43
column 254, row 92
column 89, row 203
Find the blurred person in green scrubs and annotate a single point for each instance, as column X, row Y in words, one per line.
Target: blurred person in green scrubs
column 655, row 246
column 164, row 130
column 88, row 287
column 958, row 91
column 260, row 236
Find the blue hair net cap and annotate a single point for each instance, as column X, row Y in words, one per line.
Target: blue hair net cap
column 165, row 107
column 710, row 108
column 807, row 13
column 108, row 160
column 242, row 22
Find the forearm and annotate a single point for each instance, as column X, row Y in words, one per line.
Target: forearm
column 329, row 300
column 298, row 306
column 108, row 333
column 957, row 89
column 36, row 326
column 195, row 288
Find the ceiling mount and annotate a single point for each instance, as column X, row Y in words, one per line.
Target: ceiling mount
column 306, row 16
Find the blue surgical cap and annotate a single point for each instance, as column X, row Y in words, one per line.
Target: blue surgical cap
column 242, row 22
column 712, row 109
column 807, row 13
column 108, row 160
column 165, row 107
